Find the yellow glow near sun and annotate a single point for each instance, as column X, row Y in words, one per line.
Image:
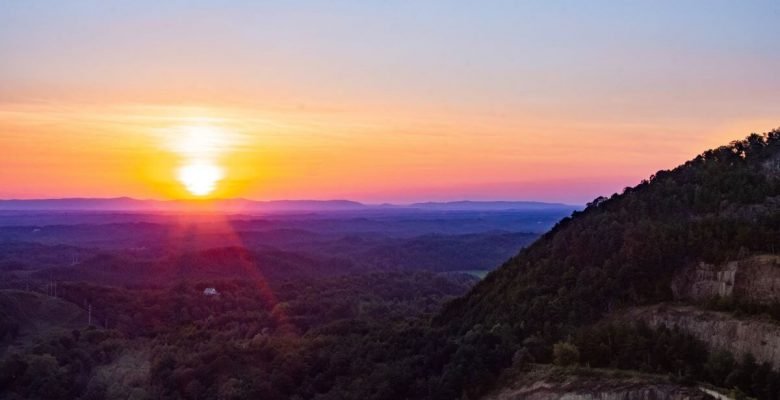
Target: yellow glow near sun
column 199, row 147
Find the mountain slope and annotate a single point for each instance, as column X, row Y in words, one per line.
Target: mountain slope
column 624, row 251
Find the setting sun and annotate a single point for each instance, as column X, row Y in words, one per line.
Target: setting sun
column 199, row 148
column 200, row 179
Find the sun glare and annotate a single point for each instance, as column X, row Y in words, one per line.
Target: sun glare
column 199, row 147
column 200, row 179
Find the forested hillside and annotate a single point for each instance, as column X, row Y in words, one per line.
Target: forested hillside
column 306, row 306
column 624, row 251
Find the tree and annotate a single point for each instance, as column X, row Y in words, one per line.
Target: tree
column 719, row 365
column 565, row 354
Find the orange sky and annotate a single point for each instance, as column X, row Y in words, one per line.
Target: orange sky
column 100, row 101
column 87, row 150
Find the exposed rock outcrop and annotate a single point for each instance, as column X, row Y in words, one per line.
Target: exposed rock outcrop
column 752, row 280
column 545, row 391
column 597, row 385
column 719, row 330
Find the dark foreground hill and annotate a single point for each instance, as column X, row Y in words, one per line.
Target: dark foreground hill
column 633, row 249
column 723, row 205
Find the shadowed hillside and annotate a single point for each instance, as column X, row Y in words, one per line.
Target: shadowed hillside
column 625, row 251
column 26, row 316
column 722, row 205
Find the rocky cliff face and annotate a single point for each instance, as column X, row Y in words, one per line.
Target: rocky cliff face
column 705, row 281
column 544, row 391
column 599, row 385
column 753, row 280
column 719, row 330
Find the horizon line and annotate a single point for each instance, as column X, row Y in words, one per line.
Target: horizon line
column 289, row 200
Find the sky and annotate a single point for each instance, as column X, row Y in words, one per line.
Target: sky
column 374, row 101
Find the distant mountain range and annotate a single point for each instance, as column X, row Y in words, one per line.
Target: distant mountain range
column 252, row 206
column 489, row 205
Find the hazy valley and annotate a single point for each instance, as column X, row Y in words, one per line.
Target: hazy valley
column 668, row 290
column 300, row 285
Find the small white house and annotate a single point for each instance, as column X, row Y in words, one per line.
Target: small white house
column 210, row 291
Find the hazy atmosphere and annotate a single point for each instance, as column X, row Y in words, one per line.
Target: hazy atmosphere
column 376, row 101
column 389, row 200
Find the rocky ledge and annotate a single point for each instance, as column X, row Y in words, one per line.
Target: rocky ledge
column 595, row 384
column 752, row 280
column 758, row 336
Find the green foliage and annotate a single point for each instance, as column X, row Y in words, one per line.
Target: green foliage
column 352, row 337
column 565, row 354
column 635, row 346
column 624, row 250
column 638, row 347
column 60, row 367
